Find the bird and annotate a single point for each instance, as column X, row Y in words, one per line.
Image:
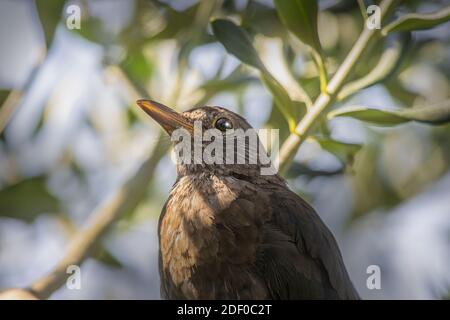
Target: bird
column 228, row 232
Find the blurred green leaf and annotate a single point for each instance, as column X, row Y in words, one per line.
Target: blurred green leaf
column 277, row 121
column 234, row 81
column 93, row 30
column 282, row 100
column 3, row 95
column 416, row 21
column 340, row 6
column 132, row 118
column 300, row 17
column 399, row 92
column 50, row 15
column 437, row 113
column 104, row 256
column 297, row 169
column 229, row 83
column 177, row 21
column 27, row 199
column 369, row 186
column 343, row 151
column 39, row 125
column 446, row 296
column 374, row 116
column 387, row 65
column 137, row 66
column 255, row 12
column 237, row 42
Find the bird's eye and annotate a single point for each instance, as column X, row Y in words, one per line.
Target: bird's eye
column 223, row 124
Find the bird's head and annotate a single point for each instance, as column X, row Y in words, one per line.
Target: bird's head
column 213, row 139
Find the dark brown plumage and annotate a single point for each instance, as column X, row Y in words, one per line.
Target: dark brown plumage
column 228, row 232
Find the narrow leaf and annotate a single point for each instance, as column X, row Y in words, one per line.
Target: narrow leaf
column 27, row 199
column 297, row 169
column 343, row 151
column 389, row 62
column 300, row 17
column 137, row 65
column 50, row 15
column 233, row 82
column 416, row 21
column 3, row 96
column 282, row 99
column 176, row 20
column 237, row 42
column 438, row 113
column 104, row 256
column 255, row 12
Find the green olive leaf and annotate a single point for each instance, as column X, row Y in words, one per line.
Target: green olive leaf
column 27, row 199
column 416, row 21
column 388, row 64
column 343, row 151
column 50, row 13
column 236, row 42
column 437, row 113
column 300, row 17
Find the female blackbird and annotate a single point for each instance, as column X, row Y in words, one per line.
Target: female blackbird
column 229, row 232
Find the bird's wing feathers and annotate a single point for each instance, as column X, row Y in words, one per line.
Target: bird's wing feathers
column 300, row 257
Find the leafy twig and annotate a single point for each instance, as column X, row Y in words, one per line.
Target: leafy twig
column 325, row 99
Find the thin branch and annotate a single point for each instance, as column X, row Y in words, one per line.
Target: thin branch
column 124, row 199
column 363, row 9
column 15, row 96
column 326, row 99
column 387, row 64
column 8, row 107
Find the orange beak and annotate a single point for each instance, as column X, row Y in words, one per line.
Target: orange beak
column 168, row 118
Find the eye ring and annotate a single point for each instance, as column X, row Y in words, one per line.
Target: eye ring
column 223, row 124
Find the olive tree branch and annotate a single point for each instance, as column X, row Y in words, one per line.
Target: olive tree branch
column 13, row 99
column 326, row 99
column 122, row 200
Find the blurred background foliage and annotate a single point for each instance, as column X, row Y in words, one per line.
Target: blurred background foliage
column 71, row 134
